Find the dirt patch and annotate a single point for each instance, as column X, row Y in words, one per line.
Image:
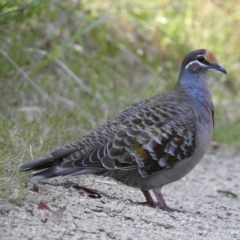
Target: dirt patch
column 208, row 198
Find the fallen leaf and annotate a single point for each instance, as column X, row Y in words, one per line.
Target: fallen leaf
column 56, row 216
column 86, row 191
column 44, row 206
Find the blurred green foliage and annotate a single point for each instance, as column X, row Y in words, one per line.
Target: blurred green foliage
column 68, row 66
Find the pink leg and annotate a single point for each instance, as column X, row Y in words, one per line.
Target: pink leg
column 149, row 200
column 161, row 202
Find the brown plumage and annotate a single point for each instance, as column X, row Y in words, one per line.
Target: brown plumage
column 150, row 144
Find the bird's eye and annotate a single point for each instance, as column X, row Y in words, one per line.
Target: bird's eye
column 201, row 59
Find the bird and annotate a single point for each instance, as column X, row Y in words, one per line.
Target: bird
column 152, row 143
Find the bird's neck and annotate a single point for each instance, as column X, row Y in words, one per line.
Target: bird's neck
column 194, row 86
column 196, row 91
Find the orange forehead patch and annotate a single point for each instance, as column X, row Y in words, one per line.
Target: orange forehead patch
column 210, row 57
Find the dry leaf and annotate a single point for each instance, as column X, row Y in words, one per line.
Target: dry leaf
column 56, row 216
column 44, row 206
column 86, row 191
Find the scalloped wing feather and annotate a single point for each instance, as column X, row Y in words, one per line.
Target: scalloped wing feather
column 146, row 137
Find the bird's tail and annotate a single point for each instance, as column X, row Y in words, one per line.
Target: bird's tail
column 49, row 166
column 47, row 161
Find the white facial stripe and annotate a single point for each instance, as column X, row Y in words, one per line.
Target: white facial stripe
column 195, row 62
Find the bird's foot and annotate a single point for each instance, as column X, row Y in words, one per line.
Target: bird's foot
column 159, row 204
column 166, row 208
column 154, row 204
column 150, row 204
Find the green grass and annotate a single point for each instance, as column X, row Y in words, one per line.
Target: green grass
column 82, row 62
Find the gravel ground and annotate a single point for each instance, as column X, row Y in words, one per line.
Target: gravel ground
column 207, row 211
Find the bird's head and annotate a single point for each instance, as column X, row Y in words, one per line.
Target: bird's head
column 201, row 60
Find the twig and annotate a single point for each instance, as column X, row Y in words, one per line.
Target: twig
column 65, row 68
column 24, row 74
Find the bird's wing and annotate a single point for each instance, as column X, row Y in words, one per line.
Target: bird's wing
column 151, row 139
column 158, row 136
column 84, row 146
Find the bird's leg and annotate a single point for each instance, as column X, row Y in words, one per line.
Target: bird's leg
column 149, row 200
column 161, row 202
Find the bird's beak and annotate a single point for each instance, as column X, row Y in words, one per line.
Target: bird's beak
column 218, row 67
